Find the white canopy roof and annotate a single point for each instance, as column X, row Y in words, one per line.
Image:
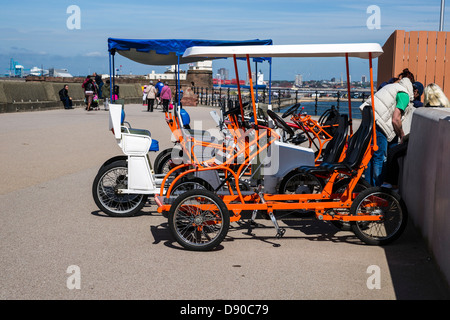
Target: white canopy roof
column 358, row 50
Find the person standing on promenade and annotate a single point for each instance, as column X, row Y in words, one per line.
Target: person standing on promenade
column 99, row 82
column 106, row 92
column 159, row 85
column 151, row 96
column 144, row 95
column 166, row 96
column 89, row 90
column 393, row 115
column 65, row 98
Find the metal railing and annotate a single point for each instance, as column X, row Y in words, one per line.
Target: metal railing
column 281, row 98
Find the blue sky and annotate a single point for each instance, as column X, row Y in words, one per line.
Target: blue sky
column 35, row 33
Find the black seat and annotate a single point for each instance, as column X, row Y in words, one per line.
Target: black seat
column 333, row 149
column 357, row 146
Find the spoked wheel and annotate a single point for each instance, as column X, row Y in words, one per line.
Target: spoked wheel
column 199, row 220
column 296, row 182
column 108, row 181
column 384, row 203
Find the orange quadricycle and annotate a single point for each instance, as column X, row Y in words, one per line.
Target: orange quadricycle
column 200, row 218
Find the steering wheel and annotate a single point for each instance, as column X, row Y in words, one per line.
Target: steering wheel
column 291, row 110
column 280, row 122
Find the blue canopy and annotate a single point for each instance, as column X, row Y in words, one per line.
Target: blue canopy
column 168, row 51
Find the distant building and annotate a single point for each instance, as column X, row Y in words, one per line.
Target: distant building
column 64, row 73
column 258, row 79
column 202, row 65
column 169, row 74
column 363, row 79
column 298, row 80
column 223, row 73
column 35, row 71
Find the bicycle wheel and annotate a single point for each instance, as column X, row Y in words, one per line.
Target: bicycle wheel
column 391, row 209
column 199, row 220
column 189, row 184
column 296, row 182
column 108, row 180
column 159, row 156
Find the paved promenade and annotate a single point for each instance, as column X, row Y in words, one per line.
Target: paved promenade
column 50, row 222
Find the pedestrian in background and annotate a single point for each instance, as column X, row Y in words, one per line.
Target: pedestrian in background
column 166, row 96
column 151, row 96
column 89, row 90
column 106, row 94
column 65, row 98
column 159, row 85
column 99, row 82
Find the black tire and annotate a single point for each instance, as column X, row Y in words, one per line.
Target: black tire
column 339, row 187
column 196, row 229
column 300, row 182
column 384, row 202
column 159, row 156
column 164, row 164
column 104, row 191
column 167, row 162
column 189, row 184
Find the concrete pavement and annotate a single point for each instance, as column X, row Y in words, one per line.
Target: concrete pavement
column 49, row 222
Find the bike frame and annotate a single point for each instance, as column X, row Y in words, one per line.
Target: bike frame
column 321, row 203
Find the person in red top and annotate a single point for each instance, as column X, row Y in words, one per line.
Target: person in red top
column 166, row 96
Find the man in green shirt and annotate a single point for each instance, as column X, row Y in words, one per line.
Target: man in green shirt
column 391, row 103
column 402, row 100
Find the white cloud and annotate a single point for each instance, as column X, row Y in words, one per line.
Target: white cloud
column 94, row 54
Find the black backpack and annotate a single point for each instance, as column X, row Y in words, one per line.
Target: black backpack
column 89, row 86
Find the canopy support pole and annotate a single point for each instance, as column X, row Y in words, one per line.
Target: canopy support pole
column 178, row 83
column 270, row 84
column 256, row 82
column 110, row 78
column 372, row 96
column 112, row 84
column 238, row 86
column 348, row 95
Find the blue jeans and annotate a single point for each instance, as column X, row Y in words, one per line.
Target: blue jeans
column 375, row 170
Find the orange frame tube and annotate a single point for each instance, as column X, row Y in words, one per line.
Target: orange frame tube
column 252, row 93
